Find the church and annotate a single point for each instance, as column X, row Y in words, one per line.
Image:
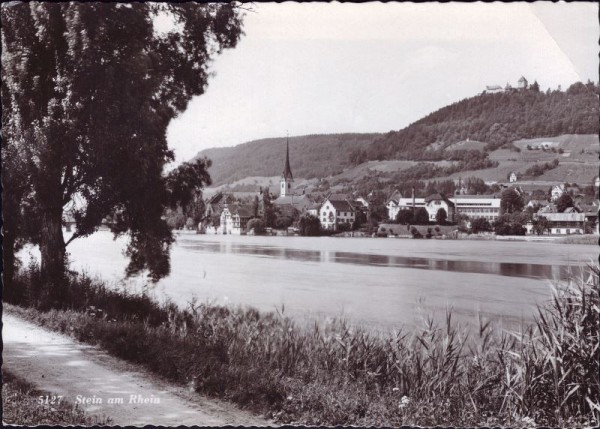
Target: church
column 288, row 199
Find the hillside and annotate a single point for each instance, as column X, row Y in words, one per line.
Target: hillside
column 312, row 156
column 488, row 133
column 496, row 119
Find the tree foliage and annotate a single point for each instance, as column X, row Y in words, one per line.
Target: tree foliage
column 541, row 225
column 88, row 91
column 441, row 216
column 404, row 217
column 511, row 201
column 480, row 224
column 421, row 216
column 496, row 119
column 256, row 225
column 309, row 225
column 564, row 202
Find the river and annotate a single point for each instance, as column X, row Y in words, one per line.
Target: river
column 381, row 283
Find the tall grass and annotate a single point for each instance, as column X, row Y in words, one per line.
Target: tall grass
column 21, row 406
column 545, row 373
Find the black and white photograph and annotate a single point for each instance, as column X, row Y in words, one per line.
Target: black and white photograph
column 327, row 214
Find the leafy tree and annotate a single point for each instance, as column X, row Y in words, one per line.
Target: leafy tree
column 421, row 216
column 564, row 202
column 343, row 227
column 88, row 91
column 511, row 201
column 540, row 225
column 535, row 86
column 404, row 216
column 257, row 225
column 441, row 216
column 283, row 222
column 269, row 211
column 309, row 225
column 377, row 210
column 480, row 224
column 476, row 186
column 255, row 206
column 175, row 218
column 357, row 156
column 507, row 225
column 185, row 185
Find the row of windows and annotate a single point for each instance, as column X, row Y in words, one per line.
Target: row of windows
column 338, row 221
column 470, row 210
column 473, row 204
column 338, row 213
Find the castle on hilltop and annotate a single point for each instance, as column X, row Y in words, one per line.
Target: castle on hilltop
column 522, row 83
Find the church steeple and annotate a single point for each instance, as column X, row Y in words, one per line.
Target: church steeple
column 287, row 172
column 286, row 177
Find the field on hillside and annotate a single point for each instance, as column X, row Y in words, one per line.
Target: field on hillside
column 571, row 142
column 580, row 173
column 467, row 145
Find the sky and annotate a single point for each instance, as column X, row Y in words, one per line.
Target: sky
column 308, row 68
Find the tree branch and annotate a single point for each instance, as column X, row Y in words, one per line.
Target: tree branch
column 73, row 237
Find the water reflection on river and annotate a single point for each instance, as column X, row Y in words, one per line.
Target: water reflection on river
column 511, row 269
column 383, row 283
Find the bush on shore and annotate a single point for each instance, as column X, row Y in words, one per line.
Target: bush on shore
column 330, row 374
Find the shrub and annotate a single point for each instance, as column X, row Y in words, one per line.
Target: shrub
column 309, row 225
column 415, row 233
column 257, row 225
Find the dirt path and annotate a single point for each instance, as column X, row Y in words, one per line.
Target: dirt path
column 58, row 364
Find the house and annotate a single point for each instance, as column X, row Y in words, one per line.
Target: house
column 536, row 203
column 548, row 208
column 477, row 206
column 565, row 223
column 336, row 210
column 230, row 222
column 522, row 83
column 403, row 204
column 435, row 202
column 299, row 202
column 493, row 89
column 363, row 202
column 513, row 177
column 392, row 205
column 556, row 192
column 313, row 209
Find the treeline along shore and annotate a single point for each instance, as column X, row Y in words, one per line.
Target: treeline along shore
column 545, row 374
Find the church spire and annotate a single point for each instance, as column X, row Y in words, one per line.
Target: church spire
column 287, row 172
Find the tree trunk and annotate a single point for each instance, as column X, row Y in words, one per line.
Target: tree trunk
column 52, row 249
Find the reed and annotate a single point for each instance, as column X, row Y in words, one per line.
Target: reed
column 333, row 373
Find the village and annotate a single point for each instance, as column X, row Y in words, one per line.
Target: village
column 531, row 209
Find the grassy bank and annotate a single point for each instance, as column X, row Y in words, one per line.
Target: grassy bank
column 21, row 406
column 580, row 239
column 545, row 374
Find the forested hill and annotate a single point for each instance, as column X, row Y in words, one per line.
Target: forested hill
column 495, row 119
column 311, row 156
